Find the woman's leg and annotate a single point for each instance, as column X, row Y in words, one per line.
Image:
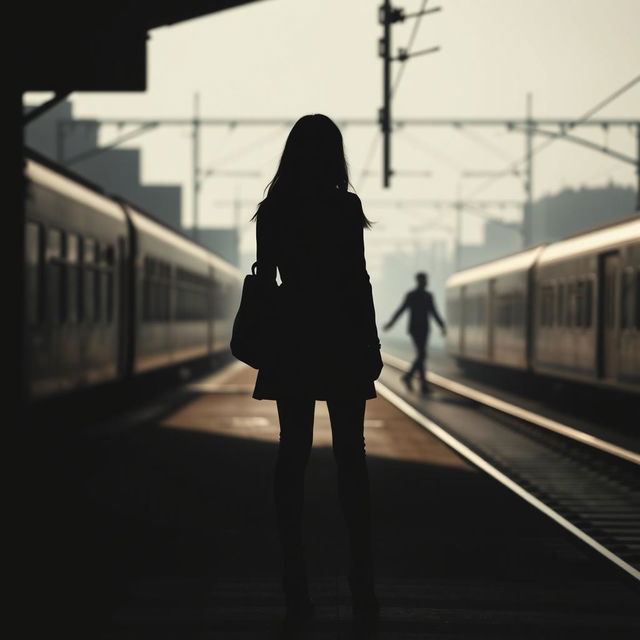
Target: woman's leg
column 296, row 437
column 347, row 426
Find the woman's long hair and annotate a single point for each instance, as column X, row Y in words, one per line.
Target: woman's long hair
column 313, row 161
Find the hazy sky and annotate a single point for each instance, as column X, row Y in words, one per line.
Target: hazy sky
column 290, row 57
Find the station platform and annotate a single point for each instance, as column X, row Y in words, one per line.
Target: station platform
column 160, row 524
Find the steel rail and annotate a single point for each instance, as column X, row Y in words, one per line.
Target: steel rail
column 518, row 412
column 481, row 463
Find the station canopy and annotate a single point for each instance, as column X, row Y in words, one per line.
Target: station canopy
column 95, row 46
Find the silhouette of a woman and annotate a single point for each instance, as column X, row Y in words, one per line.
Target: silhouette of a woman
column 324, row 344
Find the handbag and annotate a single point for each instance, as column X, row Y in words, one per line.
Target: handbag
column 254, row 321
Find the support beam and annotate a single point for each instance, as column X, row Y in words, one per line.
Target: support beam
column 45, row 106
column 385, row 112
column 527, row 232
column 14, row 261
column 510, row 123
column 195, row 223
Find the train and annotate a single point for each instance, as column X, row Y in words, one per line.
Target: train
column 569, row 310
column 112, row 293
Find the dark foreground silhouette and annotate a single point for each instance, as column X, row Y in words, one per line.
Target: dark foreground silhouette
column 321, row 344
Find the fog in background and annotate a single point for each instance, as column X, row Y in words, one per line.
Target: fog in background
column 286, row 58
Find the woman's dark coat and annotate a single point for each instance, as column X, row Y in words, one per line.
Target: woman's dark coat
column 322, row 342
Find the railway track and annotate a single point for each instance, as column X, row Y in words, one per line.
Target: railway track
column 587, row 485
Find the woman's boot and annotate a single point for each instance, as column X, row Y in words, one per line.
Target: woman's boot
column 295, row 586
column 364, row 602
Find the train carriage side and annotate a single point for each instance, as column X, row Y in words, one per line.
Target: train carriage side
column 76, row 242
column 488, row 307
column 467, row 328
column 225, row 289
column 171, row 296
column 587, row 323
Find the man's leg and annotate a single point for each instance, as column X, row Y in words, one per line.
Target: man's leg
column 420, row 341
column 406, row 378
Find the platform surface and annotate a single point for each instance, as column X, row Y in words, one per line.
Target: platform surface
column 165, row 523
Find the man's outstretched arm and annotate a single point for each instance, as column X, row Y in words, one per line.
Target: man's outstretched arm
column 436, row 314
column 398, row 313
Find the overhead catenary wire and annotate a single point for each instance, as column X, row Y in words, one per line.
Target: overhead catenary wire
column 418, row 143
column 254, row 144
column 485, row 144
column 549, row 141
column 368, row 159
column 412, row 37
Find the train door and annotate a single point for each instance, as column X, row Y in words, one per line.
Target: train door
column 609, row 309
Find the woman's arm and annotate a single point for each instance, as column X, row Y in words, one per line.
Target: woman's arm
column 265, row 246
column 370, row 328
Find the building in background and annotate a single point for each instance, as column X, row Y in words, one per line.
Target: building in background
column 554, row 217
column 117, row 171
column 571, row 211
column 224, row 241
column 500, row 239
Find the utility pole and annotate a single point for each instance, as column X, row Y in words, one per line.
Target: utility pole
column 385, row 112
column 387, row 15
column 527, row 236
column 458, row 227
column 196, row 164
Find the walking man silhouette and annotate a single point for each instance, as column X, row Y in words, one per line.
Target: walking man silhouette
column 421, row 306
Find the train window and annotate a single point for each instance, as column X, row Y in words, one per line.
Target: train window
column 88, row 289
column 156, row 290
column 192, row 295
column 73, row 276
column 560, row 307
column 109, row 282
column 165, row 289
column 571, row 304
column 33, row 273
column 579, row 304
column 518, row 310
column 72, row 248
column 626, row 300
column 54, row 244
column 97, row 285
column 588, row 302
column 64, row 280
column 89, row 254
column 637, row 296
column 146, row 289
column 55, row 276
column 546, row 306
column 109, row 286
column 80, row 297
column 97, row 295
